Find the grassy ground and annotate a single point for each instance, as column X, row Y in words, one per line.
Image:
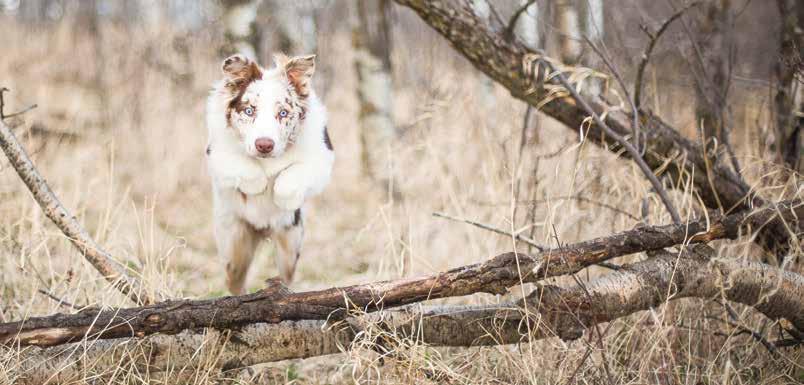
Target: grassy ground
column 119, row 134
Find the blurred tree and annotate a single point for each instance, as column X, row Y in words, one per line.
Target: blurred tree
column 372, row 42
column 789, row 100
column 242, row 34
column 577, row 20
column 295, row 26
column 713, row 50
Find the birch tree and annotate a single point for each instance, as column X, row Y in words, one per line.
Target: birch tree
column 295, row 24
column 372, row 43
column 239, row 19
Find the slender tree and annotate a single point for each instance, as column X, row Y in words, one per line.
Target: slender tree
column 789, row 99
column 242, row 34
column 372, row 43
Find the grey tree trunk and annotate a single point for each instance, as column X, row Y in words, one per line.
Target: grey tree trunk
column 789, row 100
column 712, row 85
column 242, row 34
column 372, row 43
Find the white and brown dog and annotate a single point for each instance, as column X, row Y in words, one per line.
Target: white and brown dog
column 268, row 151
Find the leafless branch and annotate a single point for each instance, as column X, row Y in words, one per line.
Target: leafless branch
column 518, row 237
column 653, row 38
column 110, row 269
column 635, row 155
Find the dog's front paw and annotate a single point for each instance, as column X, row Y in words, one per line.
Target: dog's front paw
column 253, row 186
column 289, row 192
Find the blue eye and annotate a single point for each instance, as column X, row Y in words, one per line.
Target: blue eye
column 283, row 113
column 249, row 111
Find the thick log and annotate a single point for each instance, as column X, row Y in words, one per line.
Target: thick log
column 564, row 311
column 511, row 64
column 274, row 305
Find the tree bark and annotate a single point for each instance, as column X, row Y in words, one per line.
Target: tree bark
column 275, row 305
column 789, row 100
column 372, row 43
column 511, row 64
column 565, row 311
column 295, row 26
column 712, row 83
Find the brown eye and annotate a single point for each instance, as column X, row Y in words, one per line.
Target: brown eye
column 283, row 113
column 249, row 111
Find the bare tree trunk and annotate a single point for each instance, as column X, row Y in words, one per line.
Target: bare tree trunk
column 295, row 26
column 242, row 34
column 789, row 100
column 578, row 20
column 564, row 310
column 274, row 305
column 567, row 20
column 372, row 43
column 712, row 85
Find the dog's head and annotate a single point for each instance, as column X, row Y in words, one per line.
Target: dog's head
column 266, row 108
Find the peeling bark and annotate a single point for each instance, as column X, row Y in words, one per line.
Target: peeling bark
column 565, row 311
column 509, row 63
column 274, row 305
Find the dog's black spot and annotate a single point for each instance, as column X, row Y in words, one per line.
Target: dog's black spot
column 327, row 142
column 297, row 217
column 209, row 149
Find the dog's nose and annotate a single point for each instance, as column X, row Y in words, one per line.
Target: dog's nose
column 264, row 145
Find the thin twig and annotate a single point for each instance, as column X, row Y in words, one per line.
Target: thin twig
column 518, row 237
column 509, row 29
column 58, row 300
column 626, row 144
column 631, row 102
column 654, row 37
column 3, row 106
column 24, row 110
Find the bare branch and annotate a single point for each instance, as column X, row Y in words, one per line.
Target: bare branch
column 635, row 155
column 654, row 37
column 110, row 269
column 492, row 276
column 518, row 237
column 564, row 310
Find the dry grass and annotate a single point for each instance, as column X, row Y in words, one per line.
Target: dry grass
column 132, row 170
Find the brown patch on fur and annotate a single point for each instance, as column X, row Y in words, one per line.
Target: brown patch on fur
column 238, row 73
column 327, row 142
column 243, row 196
column 299, row 71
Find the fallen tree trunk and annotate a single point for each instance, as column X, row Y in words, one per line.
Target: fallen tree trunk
column 511, row 64
column 274, row 305
column 564, row 311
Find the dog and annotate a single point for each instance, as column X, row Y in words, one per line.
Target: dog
column 268, row 151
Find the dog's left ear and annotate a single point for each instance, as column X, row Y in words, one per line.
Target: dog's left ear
column 299, row 71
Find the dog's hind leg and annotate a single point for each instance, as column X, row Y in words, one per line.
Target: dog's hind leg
column 237, row 242
column 288, row 243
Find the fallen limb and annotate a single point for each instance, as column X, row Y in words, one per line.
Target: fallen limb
column 101, row 260
column 511, row 64
column 564, row 311
column 274, row 306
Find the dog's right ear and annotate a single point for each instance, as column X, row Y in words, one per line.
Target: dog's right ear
column 238, row 72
